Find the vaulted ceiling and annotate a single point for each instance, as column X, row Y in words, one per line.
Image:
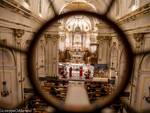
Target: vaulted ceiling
column 69, row 5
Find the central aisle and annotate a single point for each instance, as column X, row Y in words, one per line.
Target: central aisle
column 77, row 94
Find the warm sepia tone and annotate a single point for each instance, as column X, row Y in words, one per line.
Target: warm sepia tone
column 79, row 59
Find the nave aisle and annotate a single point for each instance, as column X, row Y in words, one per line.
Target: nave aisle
column 77, row 94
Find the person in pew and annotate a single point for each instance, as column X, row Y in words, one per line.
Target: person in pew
column 87, row 74
column 70, row 72
column 53, row 91
column 81, row 72
column 65, row 73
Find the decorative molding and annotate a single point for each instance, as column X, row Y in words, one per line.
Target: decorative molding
column 54, row 37
column 102, row 38
column 9, row 21
column 18, row 8
column 140, row 12
column 18, row 33
column 51, row 36
column 138, row 37
column 102, row 26
column 47, row 36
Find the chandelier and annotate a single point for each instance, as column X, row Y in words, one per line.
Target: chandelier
column 93, row 47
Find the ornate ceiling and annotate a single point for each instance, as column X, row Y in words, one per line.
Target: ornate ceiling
column 81, row 22
column 69, row 5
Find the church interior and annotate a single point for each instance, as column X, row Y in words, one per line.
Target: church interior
column 79, row 59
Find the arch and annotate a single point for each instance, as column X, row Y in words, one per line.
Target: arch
column 143, row 82
column 122, row 63
column 8, row 57
column 8, row 74
column 74, row 6
column 145, row 63
column 77, row 31
column 114, row 56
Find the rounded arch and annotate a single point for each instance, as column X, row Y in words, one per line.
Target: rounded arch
column 143, row 83
column 122, row 62
column 8, row 57
column 74, row 5
column 145, row 63
column 14, row 58
column 114, row 56
column 8, row 71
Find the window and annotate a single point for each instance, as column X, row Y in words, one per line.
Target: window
column 26, row 4
column 40, row 7
column 117, row 7
column 133, row 4
column 27, row 1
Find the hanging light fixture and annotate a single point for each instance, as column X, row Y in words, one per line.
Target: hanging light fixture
column 93, row 47
column 4, row 92
column 61, row 46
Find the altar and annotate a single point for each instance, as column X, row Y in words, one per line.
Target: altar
column 79, row 68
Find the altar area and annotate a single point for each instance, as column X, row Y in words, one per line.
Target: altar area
column 77, row 48
column 76, row 71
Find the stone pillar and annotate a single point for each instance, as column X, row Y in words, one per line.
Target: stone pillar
column 18, row 33
column 103, row 49
column 138, row 40
column 48, row 54
column 52, row 54
column 55, row 54
column 100, row 48
column 138, row 37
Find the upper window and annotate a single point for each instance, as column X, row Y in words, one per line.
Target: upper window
column 117, row 7
column 40, row 7
column 27, row 1
column 133, row 4
column 26, row 4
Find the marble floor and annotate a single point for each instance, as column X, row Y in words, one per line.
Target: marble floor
column 77, row 94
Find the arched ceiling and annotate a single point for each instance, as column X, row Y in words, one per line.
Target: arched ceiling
column 90, row 5
column 78, row 6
